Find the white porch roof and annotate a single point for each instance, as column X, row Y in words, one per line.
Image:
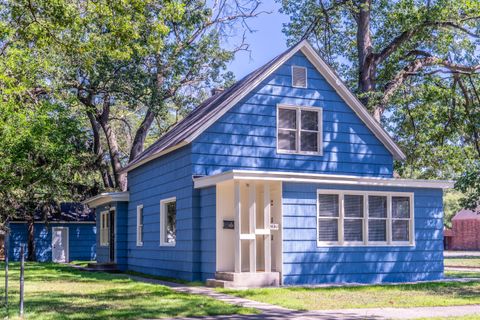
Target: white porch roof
column 208, row 181
column 107, row 197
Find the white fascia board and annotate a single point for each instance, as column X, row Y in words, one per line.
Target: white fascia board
column 105, row 198
column 208, row 181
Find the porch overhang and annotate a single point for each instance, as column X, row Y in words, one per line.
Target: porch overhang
column 105, row 198
column 208, row 181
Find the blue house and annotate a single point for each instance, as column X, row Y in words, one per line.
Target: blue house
column 284, row 178
column 66, row 235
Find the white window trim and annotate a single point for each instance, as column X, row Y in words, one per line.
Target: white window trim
column 139, row 233
column 365, row 241
column 306, row 76
column 298, row 130
column 163, row 222
column 104, row 231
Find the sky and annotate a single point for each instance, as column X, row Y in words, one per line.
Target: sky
column 266, row 42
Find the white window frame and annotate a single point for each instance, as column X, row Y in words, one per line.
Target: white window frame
column 139, row 226
column 163, row 222
column 306, row 76
column 298, row 129
column 366, row 242
column 104, row 229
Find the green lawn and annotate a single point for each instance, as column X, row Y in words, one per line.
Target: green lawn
column 374, row 296
column 55, row 291
column 473, row 262
column 462, row 274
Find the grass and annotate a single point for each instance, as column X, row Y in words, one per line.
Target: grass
column 462, row 274
column 471, row 262
column 168, row 279
column 55, row 291
column 372, row 296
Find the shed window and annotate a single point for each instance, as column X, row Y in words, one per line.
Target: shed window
column 140, row 225
column 168, row 222
column 299, row 130
column 104, row 228
column 364, row 218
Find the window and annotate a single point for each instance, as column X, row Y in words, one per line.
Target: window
column 364, row 218
column 168, row 222
column 299, row 130
column 328, row 217
column 400, row 219
column 140, row 225
column 377, row 218
column 104, row 228
column 299, row 77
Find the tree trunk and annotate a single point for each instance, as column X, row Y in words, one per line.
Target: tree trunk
column 366, row 63
column 31, row 239
column 141, row 134
column 98, row 151
column 120, row 177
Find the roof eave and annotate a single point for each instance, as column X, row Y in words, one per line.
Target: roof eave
column 105, row 198
column 208, row 181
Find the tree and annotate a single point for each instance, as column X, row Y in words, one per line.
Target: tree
column 415, row 65
column 44, row 150
column 387, row 42
column 150, row 59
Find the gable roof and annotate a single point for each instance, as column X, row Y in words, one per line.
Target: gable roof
column 466, row 214
column 216, row 106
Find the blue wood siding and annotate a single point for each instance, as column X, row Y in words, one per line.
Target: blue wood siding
column 304, row 262
column 208, row 233
column 166, row 177
column 245, row 137
column 82, row 244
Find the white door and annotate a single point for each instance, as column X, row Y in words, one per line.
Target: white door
column 60, row 244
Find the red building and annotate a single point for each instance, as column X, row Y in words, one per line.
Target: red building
column 465, row 232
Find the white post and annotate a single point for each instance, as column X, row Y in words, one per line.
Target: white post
column 252, row 219
column 266, row 224
column 238, row 225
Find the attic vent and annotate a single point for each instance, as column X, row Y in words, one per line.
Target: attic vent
column 299, row 77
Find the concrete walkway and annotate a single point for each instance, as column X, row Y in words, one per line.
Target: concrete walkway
column 269, row 311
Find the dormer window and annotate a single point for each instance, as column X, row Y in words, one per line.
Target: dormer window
column 299, row 130
column 299, row 77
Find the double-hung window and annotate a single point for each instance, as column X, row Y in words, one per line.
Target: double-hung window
column 364, row 218
column 104, row 228
column 168, row 222
column 140, row 225
column 299, row 130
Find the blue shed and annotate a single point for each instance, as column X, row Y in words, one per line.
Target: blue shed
column 284, row 178
column 66, row 235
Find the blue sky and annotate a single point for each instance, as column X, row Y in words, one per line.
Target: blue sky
column 265, row 43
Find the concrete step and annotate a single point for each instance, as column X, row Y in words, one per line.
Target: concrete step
column 245, row 279
column 215, row 283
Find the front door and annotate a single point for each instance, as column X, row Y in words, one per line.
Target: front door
column 112, row 235
column 60, row 244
